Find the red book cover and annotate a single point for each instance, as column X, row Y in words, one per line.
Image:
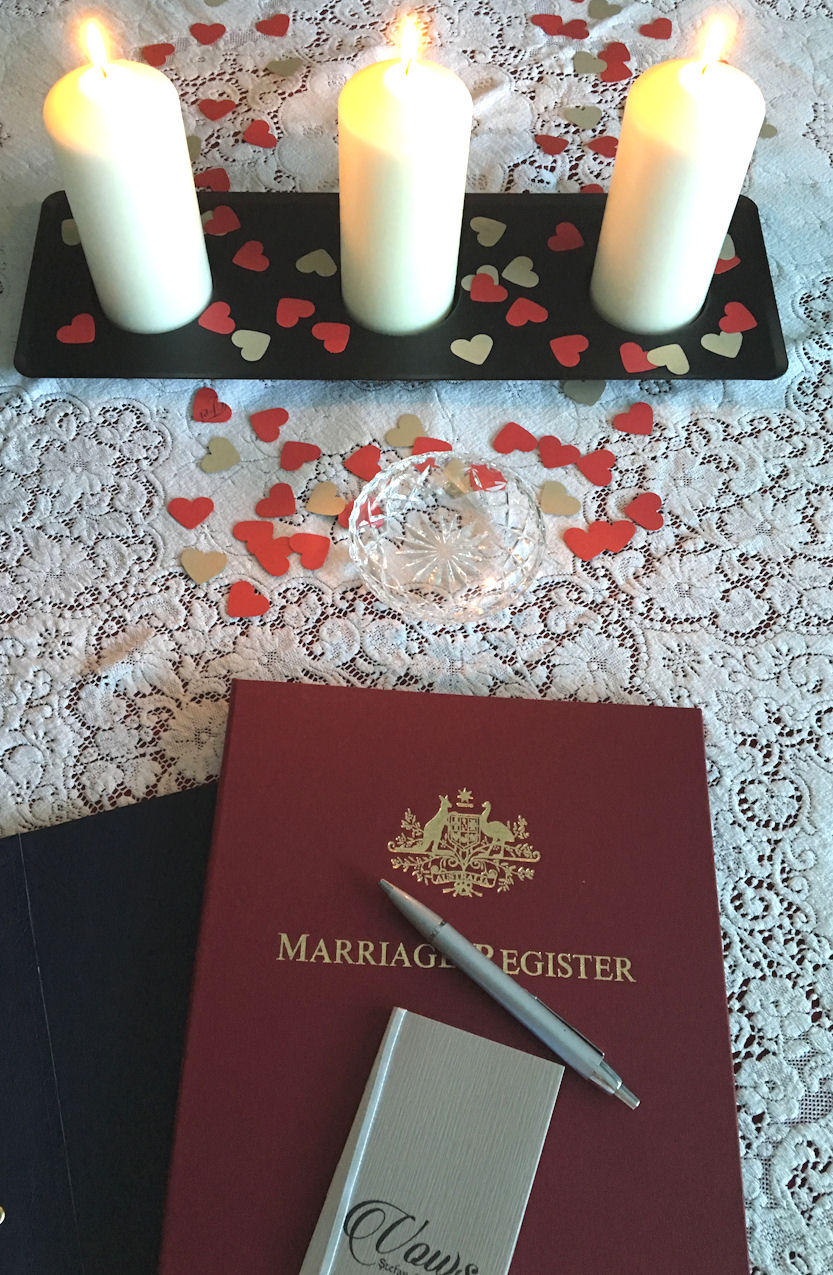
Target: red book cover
column 571, row 840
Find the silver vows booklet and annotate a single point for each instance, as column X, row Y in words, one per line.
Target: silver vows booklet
column 437, row 1170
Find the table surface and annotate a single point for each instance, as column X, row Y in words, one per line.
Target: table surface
column 115, row 665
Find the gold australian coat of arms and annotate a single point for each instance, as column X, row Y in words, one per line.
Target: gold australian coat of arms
column 464, row 849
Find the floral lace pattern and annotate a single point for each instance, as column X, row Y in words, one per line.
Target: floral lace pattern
column 115, row 667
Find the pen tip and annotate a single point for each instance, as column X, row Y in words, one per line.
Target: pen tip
column 386, row 886
column 628, row 1098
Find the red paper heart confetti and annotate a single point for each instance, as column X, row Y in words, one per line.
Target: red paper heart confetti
column 484, row 288
column 615, row 52
column 217, row 318
column 280, row 503
column 593, row 189
column 598, row 536
column 157, row 54
column 736, row 318
column 554, row 454
column 659, row 29
column 312, row 547
column 365, row 462
column 569, row 349
column 291, row 309
column 252, row 531
column 251, row 256
column 190, row 513
column 523, row 311
column 484, row 478
column 209, row 408
column 278, row 24
column 566, row 238
column 222, row 221
column 551, row 145
column 514, row 438
column 333, row 336
column 638, row 419
column 207, row 32
column 81, row 331
column 645, row 510
column 615, row 71
column 295, row 454
column 726, row 263
column 425, row 444
column 343, row 518
column 214, row 108
column 213, row 179
column 244, row 601
column 596, row 466
column 259, row 134
column 575, row 29
column 604, row 146
column 634, row 358
column 267, row 424
column 273, row 555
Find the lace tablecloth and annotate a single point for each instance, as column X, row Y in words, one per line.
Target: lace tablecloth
column 115, row 666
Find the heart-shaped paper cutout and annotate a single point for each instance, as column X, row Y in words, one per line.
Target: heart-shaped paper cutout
column 207, row 33
column 252, row 345
column 69, row 232
column 634, row 358
column 202, row 565
column 250, row 256
column 569, row 349
column 520, row 271
column 767, row 130
column 659, row 29
column 477, row 350
column 551, row 145
column 217, row 318
column 604, row 145
column 597, row 537
column 333, row 336
column 555, row 499
column 736, row 318
column 291, row 309
column 343, row 519
column 259, row 134
column 566, row 238
column 222, row 220
column 576, row 29
column 480, row 477
column 324, row 499
column 312, row 548
column 615, row 71
column 586, row 63
column 267, row 424
column 244, row 601
column 278, row 24
column 523, row 310
column 596, row 466
column 554, row 454
column 272, row 554
column 216, row 108
column 726, row 344
column 726, row 263
column 425, row 444
column 190, row 513
column 280, row 503
column 317, row 262
column 295, row 454
column 514, row 438
column 638, row 419
column 483, row 288
column 468, row 279
column 488, row 230
column 671, row 356
column 364, row 463
column 615, row 52
column 583, row 116
column 406, row 430
column 284, row 67
column 157, row 54
column 645, row 510
column 194, row 145
column 213, row 179
column 253, row 531
column 81, row 331
column 207, row 407
column 586, row 392
column 599, row 9
column 221, row 455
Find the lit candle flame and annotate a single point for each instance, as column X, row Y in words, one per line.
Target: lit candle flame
column 96, row 47
column 717, row 38
column 409, row 41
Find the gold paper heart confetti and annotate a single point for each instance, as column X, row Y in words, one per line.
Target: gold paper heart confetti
column 221, row 455
column 671, row 356
column 587, row 392
column 194, row 147
column 488, row 230
column 201, row 564
column 555, row 499
column 601, row 9
column 520, row 271
column 324, row 499
column 317, row 262
column 725, row 343
column 406, row 429
column 728, row 249
column 467, row 280
column 252, row 345
column 583, row 116
column 455, row 471
column 69, row 232
column 477, row 350
column 767, row 129
column 284, row 67
column 586, row 64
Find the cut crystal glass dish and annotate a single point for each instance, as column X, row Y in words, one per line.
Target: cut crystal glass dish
column 445, row 538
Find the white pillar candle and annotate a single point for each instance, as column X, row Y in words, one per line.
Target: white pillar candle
column 688, row 133
column 404, row 128
column 119, row 140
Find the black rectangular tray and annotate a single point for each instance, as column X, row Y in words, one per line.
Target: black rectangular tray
column 290, row 227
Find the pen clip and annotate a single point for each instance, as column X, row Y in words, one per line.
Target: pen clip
column 570, row 1026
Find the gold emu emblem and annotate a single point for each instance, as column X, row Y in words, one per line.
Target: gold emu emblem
column 464, row 851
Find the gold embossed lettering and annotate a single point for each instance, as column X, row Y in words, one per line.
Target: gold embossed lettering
column 287, row 952
column 343, row 947
column 430, row 959
column 582, row 959
column 321, row 953
column 603, row 970
column 565, row 969
column 366, row 952
column 623, row 969
column 400, row 957
column 486, row 948
column 510, row 960
column 537, row 963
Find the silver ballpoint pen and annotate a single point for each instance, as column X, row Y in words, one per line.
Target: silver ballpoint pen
column 570, row 1046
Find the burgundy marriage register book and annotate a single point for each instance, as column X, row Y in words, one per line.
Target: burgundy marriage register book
column 572, row 841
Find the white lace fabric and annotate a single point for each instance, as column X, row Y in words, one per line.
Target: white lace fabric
column 115, row 666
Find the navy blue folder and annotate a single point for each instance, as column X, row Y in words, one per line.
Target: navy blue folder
column 98, row 929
